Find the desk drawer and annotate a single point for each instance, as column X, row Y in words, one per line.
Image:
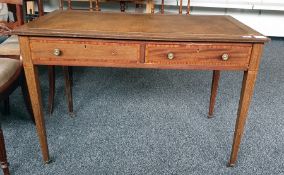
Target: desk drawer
column 199, row 54
column 76, row 51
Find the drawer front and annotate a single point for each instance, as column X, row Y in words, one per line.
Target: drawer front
column 76, row 51
column 200, row 54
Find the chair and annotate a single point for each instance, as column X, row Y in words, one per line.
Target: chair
column 11, row 69
column 216, row 73
column 3, row 156
column 162, row 7
column 94, row 5
column 11, row 48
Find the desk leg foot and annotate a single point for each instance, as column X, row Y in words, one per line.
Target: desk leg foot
column 210, row 116
column 214, row 88
column 72, row 114
column 246, row 95
column 230, row 164
column 48, row 162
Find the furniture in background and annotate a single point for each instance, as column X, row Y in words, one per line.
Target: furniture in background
column 180, row 42
column 11, row 71
column 29, row 9
column 123, row 3
column 11, row 46
column 162, row 7
column 11, row 77
column 11, row 68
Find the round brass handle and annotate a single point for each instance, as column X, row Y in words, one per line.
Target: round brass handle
column 170, row 56
column 56, row 52
column 225, row 57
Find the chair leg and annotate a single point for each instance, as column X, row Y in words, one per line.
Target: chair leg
column 3, row 155
column 122, row 6
column 51, row 77
column 214, row 88
column 68, row 90
column 27, row 99
column 7, row 106
column 70, row 70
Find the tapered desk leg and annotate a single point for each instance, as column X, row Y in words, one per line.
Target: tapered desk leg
column 214, row 89
column 51, row 78
column 34, row 90
column 31, row 74
column 245, row 98
column 246, row 95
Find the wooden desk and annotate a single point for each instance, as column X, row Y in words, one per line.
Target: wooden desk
column 80, row 38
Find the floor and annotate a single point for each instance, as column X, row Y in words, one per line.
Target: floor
column 136, row 121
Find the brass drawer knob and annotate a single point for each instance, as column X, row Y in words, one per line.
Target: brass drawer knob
column 170, row 56
column 56, row 52
column 225, row 57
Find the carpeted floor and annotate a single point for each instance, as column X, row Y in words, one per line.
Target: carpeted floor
column 136, row 121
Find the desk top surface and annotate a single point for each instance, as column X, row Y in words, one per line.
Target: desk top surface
column 153, row 27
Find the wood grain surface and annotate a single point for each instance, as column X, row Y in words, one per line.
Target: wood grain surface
column 199, row 54
column 84, row 51
column 140, row 27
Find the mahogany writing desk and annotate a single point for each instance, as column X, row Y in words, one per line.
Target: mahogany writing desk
column 80, row 38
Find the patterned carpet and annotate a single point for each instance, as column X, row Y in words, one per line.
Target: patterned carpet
column 136, row 121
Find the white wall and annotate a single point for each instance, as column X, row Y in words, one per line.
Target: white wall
column 265, row 16
column 270, row 23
